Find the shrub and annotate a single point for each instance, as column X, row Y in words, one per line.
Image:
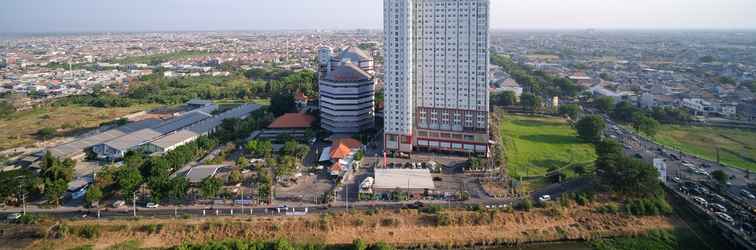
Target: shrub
column 28, row 219
column 441, row 220
column 432, row 209
column 152, row 228
column 390, row 222
column 359, row 222
column 89, row 231
column 358, row 244
column 647, row 206
column 525, row 205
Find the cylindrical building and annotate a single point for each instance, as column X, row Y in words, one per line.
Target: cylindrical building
column 347, row 96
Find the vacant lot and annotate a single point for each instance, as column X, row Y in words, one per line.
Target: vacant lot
column 452, row 229
column 535, row 145
column 737, row 146
column 19, row 129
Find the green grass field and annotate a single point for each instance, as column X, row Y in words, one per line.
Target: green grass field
column 737, row 146
column 535, row 145
column 19, row 128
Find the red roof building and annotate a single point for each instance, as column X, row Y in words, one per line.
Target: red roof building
column 292, row 120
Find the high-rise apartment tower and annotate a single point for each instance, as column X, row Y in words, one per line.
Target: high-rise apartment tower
column 436, row 81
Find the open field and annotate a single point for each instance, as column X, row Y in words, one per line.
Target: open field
column 737, row 146
column 19, row 128
column 407, row 228
column 160, row 58
column 535, row 145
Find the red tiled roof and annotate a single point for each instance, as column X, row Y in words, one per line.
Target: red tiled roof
column 293, row 120
column 336, row 167
column 340, row 152
column 348, row 142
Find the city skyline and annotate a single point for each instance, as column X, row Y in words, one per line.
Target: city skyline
column 41, row 16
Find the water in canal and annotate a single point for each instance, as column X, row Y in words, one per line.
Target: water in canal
column 550, row 246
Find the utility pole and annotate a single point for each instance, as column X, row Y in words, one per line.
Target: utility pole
column 242, row 199
column 133, row 202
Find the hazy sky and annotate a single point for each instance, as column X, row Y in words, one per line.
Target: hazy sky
column 168, row 15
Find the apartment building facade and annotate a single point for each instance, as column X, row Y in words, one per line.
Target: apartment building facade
column 436, row 61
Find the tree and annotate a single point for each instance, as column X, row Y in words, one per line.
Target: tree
column 286, row 166
column 604, row 103
column 504, row 98
column 608, row 147
column 570, row 110
column 624, row 112
column 93, row 196
column 282, row 102
column 627, row 175
column 530, row 101
column 720, row 176
column 260, row 148
column 210, row 187
column 178, row 188
column 590, row 128
column 54, row 190
column 264, row 183
column 242, row 162
column 645, row 124
column 235, row 177
column 46, row 133
column 128, row 180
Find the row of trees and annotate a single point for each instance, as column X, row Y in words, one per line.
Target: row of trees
column 537, row 82
column 156, row 88
column 645, row 121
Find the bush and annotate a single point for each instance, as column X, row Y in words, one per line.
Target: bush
column 432, row 209
column 89, row 231
column 647, row 206
column 359, row 222
column 390, row 222
column 152, row 228
column 610, row 208
column 28, row 219
column 441, row 220
column 525, row 205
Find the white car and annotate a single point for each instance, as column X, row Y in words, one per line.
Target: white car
column 700, row 201
column 676, row 180
column 13, row 216
column 152, row 205
column 747, row 194
column 725, row 217
column 118, row 203
column 544, row 198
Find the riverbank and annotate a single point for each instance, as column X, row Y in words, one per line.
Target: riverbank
column 402, row 228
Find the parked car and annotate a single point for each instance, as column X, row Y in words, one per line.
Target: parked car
column 718, row 207
column 544, row 198
column 118, row 203
column 700, row 200
column 747, row 194
column 676, row 179
column 725, row 217
column 13, row 217
column 152, row 205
